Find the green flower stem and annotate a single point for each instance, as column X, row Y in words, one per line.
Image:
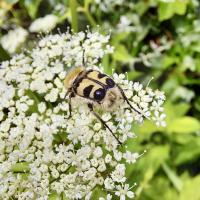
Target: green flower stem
column 90, row 18
column 88, row 15
column 66, row 15
column 20, row 167
column 74, row 15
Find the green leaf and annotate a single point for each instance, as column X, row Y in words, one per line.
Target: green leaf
column 174, row 111
column 191, row 189
column 106, row 65
column 166, row 10
column 119, row 37
column 184, row 125
column 141, row 7
column 121, row 54
column 172, row 176
column 3, row 54
column 32, row 7
column 134, row 74
column 163, row 188
column 190, row 151
column 182, row 109
column 146, row 129
column 168, row 61
column 150, row 163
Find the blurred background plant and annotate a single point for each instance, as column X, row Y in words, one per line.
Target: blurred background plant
column 152, row 38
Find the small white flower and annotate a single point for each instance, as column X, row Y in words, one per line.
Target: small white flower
column 98, row 152
column 137, row 86
column 52, row 96
column 97, row 126
column 94, row 162
column 118, row 175
column 159, row 95
column 109, row 184
column 102, row 167
column 130, row 157
column 159, row 119
column 90, row 174
column 123, row 191
column 108, row 158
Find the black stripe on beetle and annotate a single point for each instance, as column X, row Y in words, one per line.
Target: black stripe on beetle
column 87, row 90
column 100, row 75
column 110, row 82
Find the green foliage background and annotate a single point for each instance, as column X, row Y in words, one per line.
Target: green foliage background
column 170, row 169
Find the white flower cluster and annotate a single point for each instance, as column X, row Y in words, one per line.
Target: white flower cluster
column 109, row 5
column 44, row 24
column 42, row 152
column 129, row 23
column 14, row 39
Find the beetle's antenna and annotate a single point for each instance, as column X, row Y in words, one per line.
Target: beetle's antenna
column 126, row 99
column 90, row 106
column 83, row 59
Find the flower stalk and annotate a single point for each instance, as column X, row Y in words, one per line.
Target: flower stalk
column 74, row 14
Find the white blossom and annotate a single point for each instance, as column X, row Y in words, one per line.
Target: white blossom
column 44, row 24
column 108, row 5
column 52, row 152
column 130, row 157
column 123, row 191
column 13, row 40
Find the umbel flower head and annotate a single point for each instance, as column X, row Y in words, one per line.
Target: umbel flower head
column 14, row 39
column 42, row 152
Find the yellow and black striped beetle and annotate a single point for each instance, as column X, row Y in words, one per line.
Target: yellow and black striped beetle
column 95, row 88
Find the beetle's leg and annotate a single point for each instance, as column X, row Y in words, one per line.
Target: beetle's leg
column 90, row 106
column 70, row 106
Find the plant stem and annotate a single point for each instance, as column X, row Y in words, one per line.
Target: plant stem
column 88, row 15
column 90, row 18
column 74, row 15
